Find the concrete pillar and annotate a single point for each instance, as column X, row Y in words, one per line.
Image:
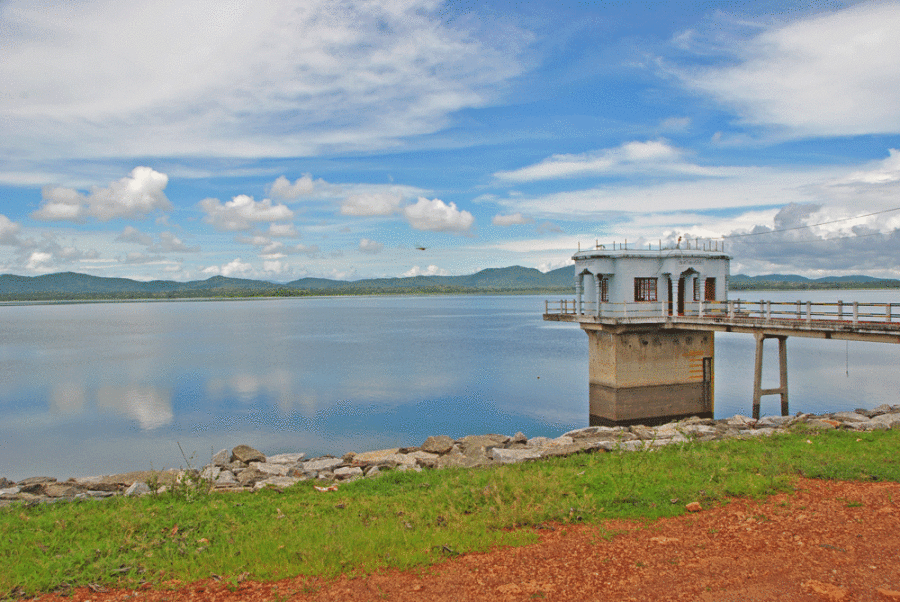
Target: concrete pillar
column 782, row 388
column 649, row 376
column 579, row 291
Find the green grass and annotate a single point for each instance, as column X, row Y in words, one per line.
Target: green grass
column 403, row 520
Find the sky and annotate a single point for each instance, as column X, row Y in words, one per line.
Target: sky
column 348, row 139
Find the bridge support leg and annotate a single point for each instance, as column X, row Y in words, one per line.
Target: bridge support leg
column 782, row 389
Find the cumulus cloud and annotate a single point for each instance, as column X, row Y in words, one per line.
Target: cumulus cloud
column 431, row 270
column 787, row 75
column 231, row 78
column 284, row 190
column 438, row 216
column 370, row 204
column 9, row 232
column 231, row 269
column 630, row 157
column 132, row 234
column 133, row 196
column 370, row 246
column 513, row 219
column 242, row 212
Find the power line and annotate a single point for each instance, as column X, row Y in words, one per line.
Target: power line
column 813, row 226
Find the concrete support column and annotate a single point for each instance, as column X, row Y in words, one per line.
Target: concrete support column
column 649, row 376
column 599, row 280
column 782, row 389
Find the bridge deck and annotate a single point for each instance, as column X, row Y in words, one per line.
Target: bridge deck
column 878, row 322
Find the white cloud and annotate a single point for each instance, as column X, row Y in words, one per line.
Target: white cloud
column 230, row 269
column 132, row 234
column 431, row 270
column 9, row 232
column 371, row 203
column 513, row 219
column 39, row 260
column 169, row 243
column 438, row 216
column 832, row 74
column 236, row 78
column 282, row 231
column 241, row 212
column 283, row 189
column 277, row 249
column 133, row 196
column 630, row 157
column 370, row 246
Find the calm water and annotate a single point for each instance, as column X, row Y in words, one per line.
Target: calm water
column 99, row 388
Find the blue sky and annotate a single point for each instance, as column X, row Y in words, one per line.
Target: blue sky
column 181, row 139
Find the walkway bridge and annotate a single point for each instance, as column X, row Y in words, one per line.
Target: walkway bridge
column 873, row 322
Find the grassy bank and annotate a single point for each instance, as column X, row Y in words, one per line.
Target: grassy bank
column 402, row 519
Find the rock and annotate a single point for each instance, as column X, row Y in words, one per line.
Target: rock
column 890, row 420
column 440, row 444
column 347, row 472
column 226, row 478
column 820, row 424
column 4, row 483
column 882, row 409
column 275, row 482
column 246, row 454
column 61, row 490
column 322, row 464
column 34, row 485
column 279, row 470
column 697, row 430
column 285, row 458
column 210, row 473
column 693, row 507
column 850, row 417
column 8, row 491
column 740, row 421
column 423, row 458
column 773, row 421
column 642, row 432
column 519, row 437
column 220, row 458
column 511, row 456
column 381, row 456
column 251, row 476
column 136, row 489
column 594, row 432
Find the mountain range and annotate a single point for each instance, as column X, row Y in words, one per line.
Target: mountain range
column 71, row 285
column 514, row 279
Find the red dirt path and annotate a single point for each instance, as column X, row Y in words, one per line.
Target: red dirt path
column 827, row 541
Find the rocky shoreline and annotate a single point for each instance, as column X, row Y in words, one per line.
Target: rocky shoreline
column 246, row 469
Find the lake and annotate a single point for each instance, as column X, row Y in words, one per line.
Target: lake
column 99, row 388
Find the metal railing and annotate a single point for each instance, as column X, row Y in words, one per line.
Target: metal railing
column 736, row 310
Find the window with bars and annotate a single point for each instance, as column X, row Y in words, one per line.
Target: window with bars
column 710, row 293
column 604, row 290
column 645, row 289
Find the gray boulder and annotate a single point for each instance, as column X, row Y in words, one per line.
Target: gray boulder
column 322, row 464
column 440, row 444
column 136, row 489
column 246, row 454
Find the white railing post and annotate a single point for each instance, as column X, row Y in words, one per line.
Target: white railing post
column 546, row 307
column 856, row 312
column 768, row 310
column 809, row 312
column 840, row 310
column 700, row 309
column 731, row 310
column 799, row 314
column 887, row 307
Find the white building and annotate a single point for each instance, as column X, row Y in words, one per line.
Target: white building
column 623, row 282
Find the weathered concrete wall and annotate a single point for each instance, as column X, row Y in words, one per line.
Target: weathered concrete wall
column 656, row 375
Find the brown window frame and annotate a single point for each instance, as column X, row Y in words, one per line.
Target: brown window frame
column 645, row 290
column 604, row 290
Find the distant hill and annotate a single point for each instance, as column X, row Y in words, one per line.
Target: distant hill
column 794, row 282
column 71, row 285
